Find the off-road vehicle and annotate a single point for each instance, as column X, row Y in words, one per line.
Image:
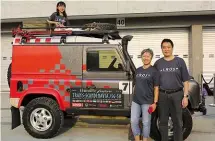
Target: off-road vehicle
column 81, row 72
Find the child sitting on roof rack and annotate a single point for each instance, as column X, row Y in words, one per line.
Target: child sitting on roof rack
column 59, row 18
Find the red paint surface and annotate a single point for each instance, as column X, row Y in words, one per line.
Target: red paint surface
column 89, row 83
column 62, row 66
column 24, row 58
column 37, row 40
column 78, row 82
column 28, row 61
column 84, row 67
column 106, row 86
column 17, row 40
column 48, row 40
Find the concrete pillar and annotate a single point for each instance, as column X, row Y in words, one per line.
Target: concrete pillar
column 196, row 52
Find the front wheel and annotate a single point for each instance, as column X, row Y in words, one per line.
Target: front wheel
column 42, row 118
column 187, row 126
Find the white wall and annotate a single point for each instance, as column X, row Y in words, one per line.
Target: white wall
column 25, row 9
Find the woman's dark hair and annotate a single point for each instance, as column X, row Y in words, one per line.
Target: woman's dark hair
column 64, row 12
column 167, row 40
column 147, row 50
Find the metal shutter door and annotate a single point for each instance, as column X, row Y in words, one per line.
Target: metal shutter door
column 209, row 53
column 151, row 38
column 6, row 46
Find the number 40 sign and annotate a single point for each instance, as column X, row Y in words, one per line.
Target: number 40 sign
column 120, row 22
column 124, row 86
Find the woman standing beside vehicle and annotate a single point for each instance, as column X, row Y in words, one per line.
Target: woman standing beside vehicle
column 145, row 95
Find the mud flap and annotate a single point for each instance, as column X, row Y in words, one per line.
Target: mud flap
column 16, row 121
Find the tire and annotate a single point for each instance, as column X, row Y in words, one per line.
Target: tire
column 51, row 110
column 187, row 126
column 99, row 26
column 9, row 74
column 204, row 111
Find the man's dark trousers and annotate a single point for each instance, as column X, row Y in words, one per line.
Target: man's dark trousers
column 170, row 103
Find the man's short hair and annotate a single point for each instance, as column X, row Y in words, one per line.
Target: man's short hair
column 167, row 40
column 147, row 50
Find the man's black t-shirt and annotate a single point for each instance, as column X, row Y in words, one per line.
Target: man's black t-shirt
column 145, row 81
column 172, row 73
column 58, row 18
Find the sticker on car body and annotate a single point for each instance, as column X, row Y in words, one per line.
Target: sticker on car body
column 97, row 98
column 125, row 86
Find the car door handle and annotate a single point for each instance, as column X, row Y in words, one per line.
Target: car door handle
column 91, row 87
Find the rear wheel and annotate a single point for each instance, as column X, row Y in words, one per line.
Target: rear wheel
column 155, row 134
column 187, row 126
column 42, row 118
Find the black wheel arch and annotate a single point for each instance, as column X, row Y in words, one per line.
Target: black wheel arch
column 9, row 72
column 194, row 94
column 29, row 97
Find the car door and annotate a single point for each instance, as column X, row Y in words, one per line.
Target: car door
column 105, row 83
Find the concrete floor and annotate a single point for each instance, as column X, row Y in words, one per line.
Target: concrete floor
column 203, row 128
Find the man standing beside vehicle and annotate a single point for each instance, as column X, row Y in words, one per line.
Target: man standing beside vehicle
column 173, row 95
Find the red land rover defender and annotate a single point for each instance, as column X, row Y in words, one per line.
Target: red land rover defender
column 81, row 72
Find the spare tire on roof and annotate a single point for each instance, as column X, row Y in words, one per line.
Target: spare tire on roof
column 99, row 26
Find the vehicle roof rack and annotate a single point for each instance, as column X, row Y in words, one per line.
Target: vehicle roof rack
column 31, row 33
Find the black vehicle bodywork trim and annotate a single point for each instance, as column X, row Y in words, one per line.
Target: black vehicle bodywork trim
column 16, row 121
column 99, row 112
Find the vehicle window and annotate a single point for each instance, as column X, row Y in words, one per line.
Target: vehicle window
column 104, row 60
